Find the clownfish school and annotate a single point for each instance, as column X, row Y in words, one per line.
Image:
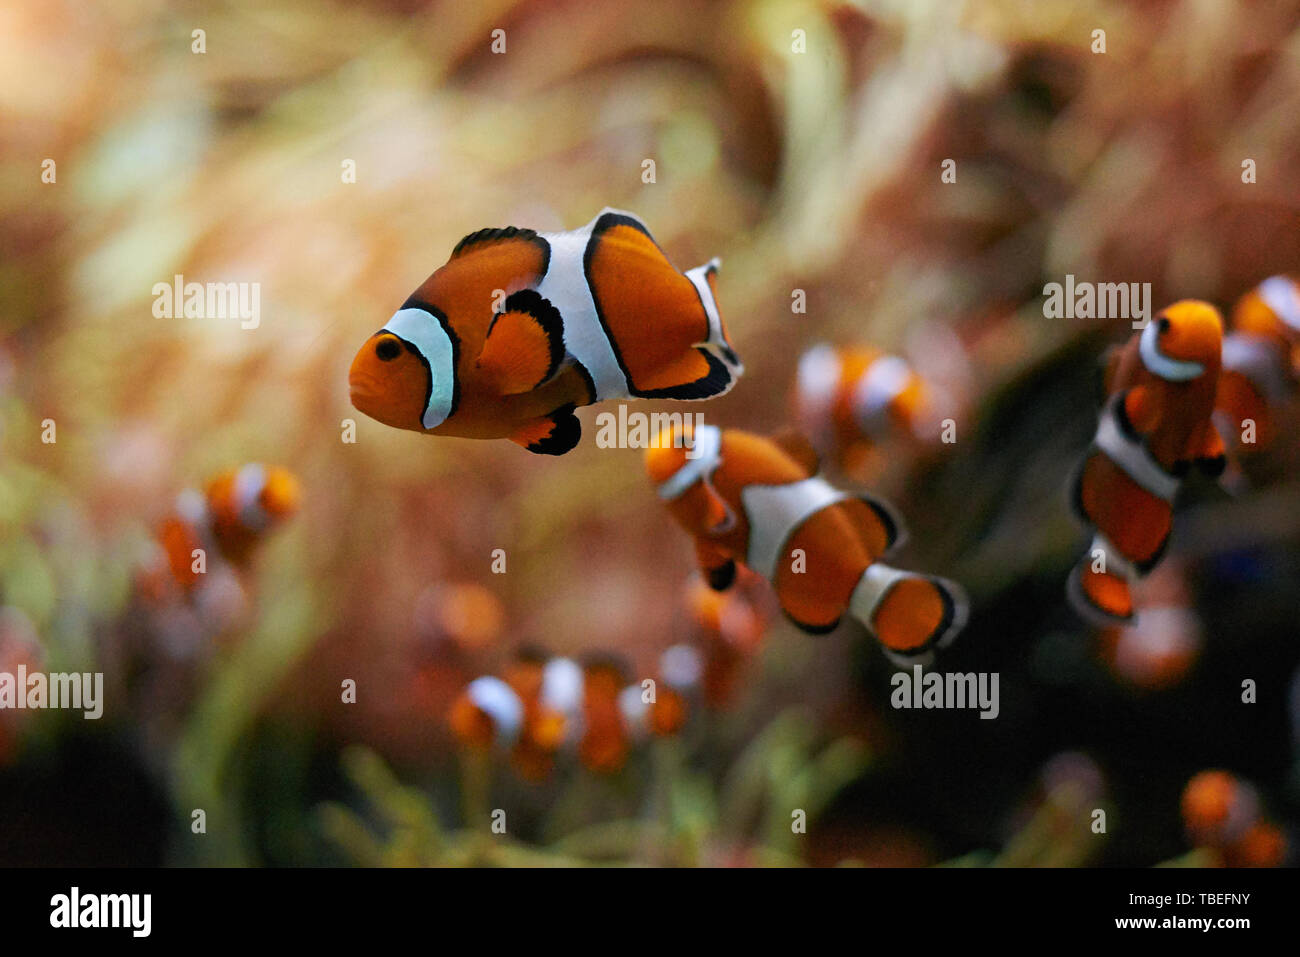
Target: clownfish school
column 520, row 328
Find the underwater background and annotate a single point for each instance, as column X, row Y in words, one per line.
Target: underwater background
column 816, row 171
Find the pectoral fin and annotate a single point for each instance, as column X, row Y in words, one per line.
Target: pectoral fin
column 524, row 345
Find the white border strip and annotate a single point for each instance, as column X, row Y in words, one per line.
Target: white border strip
column 423, row 330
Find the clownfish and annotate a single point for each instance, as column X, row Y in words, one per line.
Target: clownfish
column 542, row 707
column 1222, row 812
column 1159, row 649
column 227, row 520
column 1261, row 362
column 680, row 670
column 531, row 712
column 1155, row 425
column 730, row 626
column 464, row 616
column 606, row 734
column 520, row 328
column 617, row 715
column 758, row 502
column 849, row 400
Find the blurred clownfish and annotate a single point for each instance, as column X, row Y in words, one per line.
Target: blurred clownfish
column 464, row 616
column 849, row 400
column 617, row 715
column 663, row 716
column 1223, row 812
column 1261, row 358
column 596, row 313
column 227, row 521
column 730, row 625
column 759, row 502
column 551, row 691
column 1156, row 651
column 488, row 712
column 1155, row 425
column 543, row 707
column 532, row 712
column 606, row 735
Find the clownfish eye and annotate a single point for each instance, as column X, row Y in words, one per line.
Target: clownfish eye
column 388, row 349
column 1164, row 325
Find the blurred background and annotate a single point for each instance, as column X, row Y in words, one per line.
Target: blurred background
column 803, row 143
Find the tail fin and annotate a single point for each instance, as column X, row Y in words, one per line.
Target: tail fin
column 1100, row 597
column 911, row 615
column 718, row 343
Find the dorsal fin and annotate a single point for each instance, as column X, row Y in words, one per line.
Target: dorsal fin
column 492, row 234
column 797, row 446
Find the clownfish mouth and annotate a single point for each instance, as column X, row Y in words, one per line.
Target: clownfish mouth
column 364, row 395
column 1173, row 370
column 392, row 379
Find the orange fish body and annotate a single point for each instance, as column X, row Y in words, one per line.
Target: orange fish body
column 245, row 503
column 681, row 668
column 543, row 707
column 550, row 691
column 752, row 501
column 520, row 328
column 605, row 739
column 227, row 522
column 488, row 712
column 730, row 625
column 1156, row 424
column 1222, row 812
column 1261, row 358
column 1159, row 649
column 849, row 400
column 531, row 712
